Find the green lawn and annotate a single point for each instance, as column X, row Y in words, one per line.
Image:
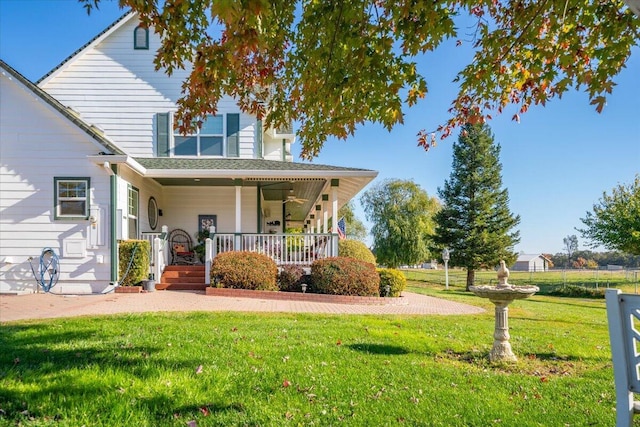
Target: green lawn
column 237, row 369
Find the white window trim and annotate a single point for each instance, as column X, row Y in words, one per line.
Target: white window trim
column 57, row 208
column 174, row 133
column 136, row 217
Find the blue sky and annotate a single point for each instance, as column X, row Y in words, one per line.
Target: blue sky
column 556, row 163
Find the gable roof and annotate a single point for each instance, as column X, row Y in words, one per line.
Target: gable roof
column 70, row 114
column 529, row 257
column 94, row 41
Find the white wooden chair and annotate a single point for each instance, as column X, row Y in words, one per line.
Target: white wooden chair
column 623, row 316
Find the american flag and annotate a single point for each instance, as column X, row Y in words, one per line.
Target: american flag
column 342, row 228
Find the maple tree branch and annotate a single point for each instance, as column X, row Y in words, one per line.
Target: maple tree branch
column 524, row 30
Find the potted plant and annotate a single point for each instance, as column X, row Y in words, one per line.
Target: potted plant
column 199, row 249
column 149, row 284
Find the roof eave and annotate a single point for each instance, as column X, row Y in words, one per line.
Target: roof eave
column 246, row 173
column 90, row 130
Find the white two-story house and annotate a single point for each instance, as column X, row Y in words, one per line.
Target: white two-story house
column 89, row 157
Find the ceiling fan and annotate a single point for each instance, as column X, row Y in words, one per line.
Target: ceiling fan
column 292, row 198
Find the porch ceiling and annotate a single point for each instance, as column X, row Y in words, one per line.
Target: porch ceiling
column 277, row 179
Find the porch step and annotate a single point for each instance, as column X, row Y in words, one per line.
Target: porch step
column 183, row 278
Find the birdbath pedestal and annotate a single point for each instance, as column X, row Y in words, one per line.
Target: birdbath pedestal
column 501, row 296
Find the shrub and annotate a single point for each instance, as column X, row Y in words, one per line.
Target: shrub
column 355, row 249
column 290, row 278
column 244, row 270
column 573, row 291
column 345, row 276
column 133, row 256
column 394, row 279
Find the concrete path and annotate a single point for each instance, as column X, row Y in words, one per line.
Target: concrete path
column 44, row 306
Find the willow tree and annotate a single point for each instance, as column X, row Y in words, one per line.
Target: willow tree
column 475, row 222
column 332, row 65
column 402, row 217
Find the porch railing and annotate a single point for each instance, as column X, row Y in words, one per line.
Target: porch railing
column 284, row 249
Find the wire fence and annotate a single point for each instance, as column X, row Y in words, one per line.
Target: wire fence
column 546, row 280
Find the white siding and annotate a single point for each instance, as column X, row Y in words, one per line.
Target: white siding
column 37, row 144
column 116, row 87
column 182, row 205
column 272, row 148
column 147, row 188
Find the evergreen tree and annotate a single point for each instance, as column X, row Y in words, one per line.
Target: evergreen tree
column 475, row 221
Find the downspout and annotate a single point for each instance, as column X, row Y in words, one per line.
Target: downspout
column 111, row 169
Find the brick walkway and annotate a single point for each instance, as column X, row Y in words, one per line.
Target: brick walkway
column 43, row 306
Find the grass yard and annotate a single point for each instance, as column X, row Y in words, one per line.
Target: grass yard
column 246, row 369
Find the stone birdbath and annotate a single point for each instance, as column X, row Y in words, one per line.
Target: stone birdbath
column 502, row 295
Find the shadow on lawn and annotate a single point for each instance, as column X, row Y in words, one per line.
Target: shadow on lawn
column 35, row 365
column 389, row 350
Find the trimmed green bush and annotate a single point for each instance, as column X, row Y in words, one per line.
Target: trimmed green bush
column 290, row 278
column 355, row 249
column 345, row 276
column 244, row 270
column 394, row 279
column 133, row 257
column 573, row 291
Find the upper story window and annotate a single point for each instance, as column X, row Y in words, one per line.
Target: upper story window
column 141, row 38
column 71, row 198
column 217, row 137
column 207, row 141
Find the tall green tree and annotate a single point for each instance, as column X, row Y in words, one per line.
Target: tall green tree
column 571, row 245
column 615, row 219
column 402, row 217
column 332, row 65
column 475, row 222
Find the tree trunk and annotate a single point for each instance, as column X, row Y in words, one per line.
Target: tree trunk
column 471, row 278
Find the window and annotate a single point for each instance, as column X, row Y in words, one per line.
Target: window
column 141, row 38
column 217, row 137
column 132, row 212
column 207, row 141
column 71, row 198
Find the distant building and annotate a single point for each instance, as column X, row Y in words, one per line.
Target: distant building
column 531, row 262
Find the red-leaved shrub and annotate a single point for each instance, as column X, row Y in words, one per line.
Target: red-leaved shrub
column 290, row 278
column 244, row 270
column 345, row 276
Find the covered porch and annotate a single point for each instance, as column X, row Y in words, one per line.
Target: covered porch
column 285, row 210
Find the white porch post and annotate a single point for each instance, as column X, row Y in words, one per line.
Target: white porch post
column 238, row 229
column 325, row 213
column 334, row 204
column 318, row 219
column 208, row 255
column 334, row 210
column 158, row 256
column 165, row 248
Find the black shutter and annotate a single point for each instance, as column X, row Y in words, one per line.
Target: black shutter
column 162, row 134
column 233, row 139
